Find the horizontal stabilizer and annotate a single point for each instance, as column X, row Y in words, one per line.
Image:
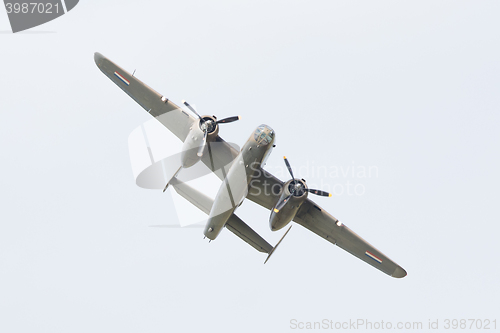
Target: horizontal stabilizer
column 243, row 231
column 233, row 224
column 202, row 201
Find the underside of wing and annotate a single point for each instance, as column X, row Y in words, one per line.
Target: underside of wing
column 220, row 154
column 170, row 115
column 323, row 224
column 219, row 157
column 265, row 189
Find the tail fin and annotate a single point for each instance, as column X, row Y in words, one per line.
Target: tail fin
column 274, row 248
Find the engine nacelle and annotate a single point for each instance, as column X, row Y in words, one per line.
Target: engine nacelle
column 189, row 154
column 213, row 127
column 281, row 218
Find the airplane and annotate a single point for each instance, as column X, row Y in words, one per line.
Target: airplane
column 242, row 177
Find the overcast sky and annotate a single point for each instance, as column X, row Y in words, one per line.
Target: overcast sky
column 409, row 88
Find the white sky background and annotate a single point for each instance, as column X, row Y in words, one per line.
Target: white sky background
column 408, row 87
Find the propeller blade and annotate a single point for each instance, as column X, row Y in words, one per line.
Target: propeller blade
column 228, row 120
column 203, row 144
column 192, row 109
column 282, row 204
column 289, row 167
column 319, row 192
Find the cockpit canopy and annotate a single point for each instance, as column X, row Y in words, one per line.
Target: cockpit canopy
column 264, row 135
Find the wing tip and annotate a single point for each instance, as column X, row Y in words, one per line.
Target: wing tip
column 399, row 273
column 98, row 58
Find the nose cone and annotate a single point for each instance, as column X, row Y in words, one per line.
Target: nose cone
column 264, row 135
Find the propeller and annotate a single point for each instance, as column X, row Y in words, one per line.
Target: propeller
column 208, row 125
column 297, row 186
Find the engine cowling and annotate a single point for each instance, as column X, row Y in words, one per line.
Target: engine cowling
column 189, row 154
column 281, row 218
column 213, row 127
column 293, row 195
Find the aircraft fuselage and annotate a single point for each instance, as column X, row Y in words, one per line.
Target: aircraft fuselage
column 234, row 188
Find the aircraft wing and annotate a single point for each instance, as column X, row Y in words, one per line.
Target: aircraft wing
column 314, row 218
column 317, row 220
column 263, row 190
column 170, row 115
column 220, row 153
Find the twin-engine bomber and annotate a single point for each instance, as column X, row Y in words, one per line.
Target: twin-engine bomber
column 242, row 176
